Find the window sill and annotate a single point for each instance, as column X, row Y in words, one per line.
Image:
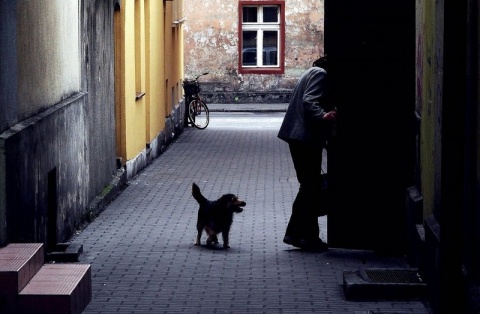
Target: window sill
column 261, row 70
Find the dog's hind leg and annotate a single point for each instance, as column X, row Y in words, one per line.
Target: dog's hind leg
column 199, row 234
column 197, row 240
column 212, row 236
column 212, row 239
column 215, row 239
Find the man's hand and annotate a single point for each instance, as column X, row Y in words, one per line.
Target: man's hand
column 330, row 116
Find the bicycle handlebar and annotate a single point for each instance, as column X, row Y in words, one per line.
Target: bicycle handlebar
column 201, row 75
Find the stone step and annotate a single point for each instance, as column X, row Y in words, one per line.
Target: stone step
column 65, row 253
column 19, row 262
column 57, row 288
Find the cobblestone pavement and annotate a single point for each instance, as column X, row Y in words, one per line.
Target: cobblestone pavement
column 141, row 246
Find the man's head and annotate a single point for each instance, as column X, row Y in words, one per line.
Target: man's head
column 321, row 62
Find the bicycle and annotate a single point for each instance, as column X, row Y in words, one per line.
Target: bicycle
column 197, row 110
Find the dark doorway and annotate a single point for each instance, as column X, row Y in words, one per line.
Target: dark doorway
column 371, row 46
column 52, row 205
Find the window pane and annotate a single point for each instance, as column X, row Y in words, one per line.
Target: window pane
column 270, row 44
column 270, row 14
column 249, row 14
column 249, row 49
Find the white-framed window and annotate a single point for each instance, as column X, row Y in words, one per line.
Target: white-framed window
column 261, row 36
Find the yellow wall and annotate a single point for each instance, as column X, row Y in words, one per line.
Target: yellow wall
column 120, row 138
column 174, row 52
column 169, row 53
column 130, row 117
column 149, row 62
column 155, row 89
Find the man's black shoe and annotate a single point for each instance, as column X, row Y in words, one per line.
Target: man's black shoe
column 315, row 245
column 292, row 241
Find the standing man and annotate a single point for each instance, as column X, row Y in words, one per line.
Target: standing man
column 304, row 128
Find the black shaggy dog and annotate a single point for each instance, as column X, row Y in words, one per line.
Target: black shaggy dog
column 216, row 216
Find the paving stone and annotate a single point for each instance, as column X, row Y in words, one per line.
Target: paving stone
column 141, row 246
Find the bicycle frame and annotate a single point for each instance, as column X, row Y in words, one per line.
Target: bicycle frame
column 194, row 105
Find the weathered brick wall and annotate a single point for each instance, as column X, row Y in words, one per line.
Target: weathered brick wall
column 211, row 45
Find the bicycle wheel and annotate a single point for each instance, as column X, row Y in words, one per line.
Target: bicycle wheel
column 198, row 114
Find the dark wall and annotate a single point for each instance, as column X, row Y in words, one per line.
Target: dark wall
column 8, row 64
column 45, row 159
column 57, row 161
column 98, row 83
column 371, row 46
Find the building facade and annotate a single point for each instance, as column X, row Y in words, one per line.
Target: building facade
column 57, row 134
column 90, row 93
column 447, row 108
column 148, row 76
column 405, row 79
column 254, row 50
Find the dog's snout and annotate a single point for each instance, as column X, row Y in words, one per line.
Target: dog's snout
column 239, row 206
column 239, row 203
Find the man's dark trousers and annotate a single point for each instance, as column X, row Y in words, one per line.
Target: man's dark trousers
column 307, row 160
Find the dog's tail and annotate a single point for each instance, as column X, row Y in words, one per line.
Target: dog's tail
column 197, row 194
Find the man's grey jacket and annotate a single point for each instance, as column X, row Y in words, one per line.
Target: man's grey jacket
column 303, row 120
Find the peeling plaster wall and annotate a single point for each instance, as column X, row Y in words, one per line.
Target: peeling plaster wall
column 33, row 149
column 211, row 45
column 304, row 35
column 48, row 53
column 98, row 81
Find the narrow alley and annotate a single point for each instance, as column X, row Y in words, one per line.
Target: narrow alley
column 141, row 246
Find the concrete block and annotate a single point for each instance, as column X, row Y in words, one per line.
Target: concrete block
column 19, row 262
column 57, row 288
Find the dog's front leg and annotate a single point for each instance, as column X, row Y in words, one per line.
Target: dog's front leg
column 225, row 240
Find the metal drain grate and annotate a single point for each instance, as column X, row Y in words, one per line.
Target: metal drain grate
column 383, row 283
column 393, row 276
